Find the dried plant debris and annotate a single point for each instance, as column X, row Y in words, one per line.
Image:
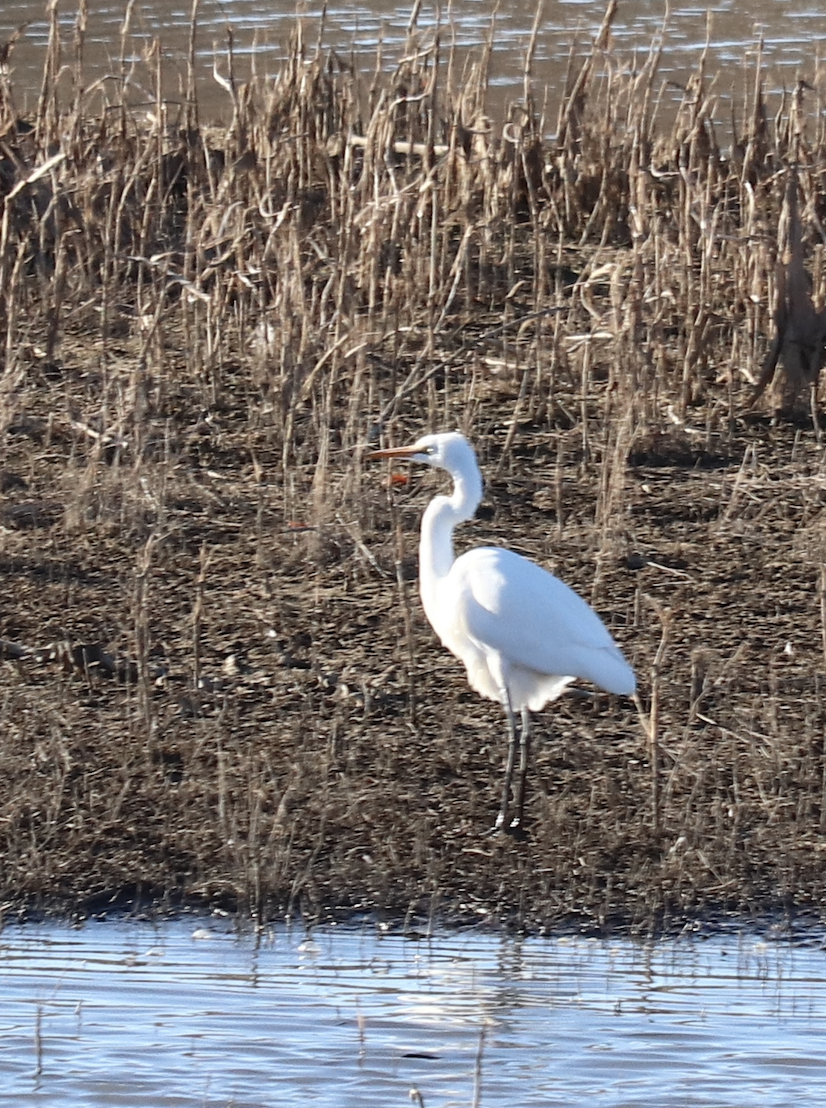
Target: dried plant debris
column 218, row 687
column 799, row 346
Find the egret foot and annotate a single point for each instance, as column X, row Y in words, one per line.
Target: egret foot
column 514, row 828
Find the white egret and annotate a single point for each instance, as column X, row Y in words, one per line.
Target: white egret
column 522, row 634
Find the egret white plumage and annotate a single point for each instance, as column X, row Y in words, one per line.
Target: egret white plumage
column 522, row 634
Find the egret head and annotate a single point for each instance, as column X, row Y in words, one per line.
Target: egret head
column 448, row 450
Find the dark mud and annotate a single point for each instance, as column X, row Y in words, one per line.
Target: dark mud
column 288, row 748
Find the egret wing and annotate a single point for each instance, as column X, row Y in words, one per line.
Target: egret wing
column 534, row 620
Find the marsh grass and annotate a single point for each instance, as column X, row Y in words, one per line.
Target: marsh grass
column 218, row 685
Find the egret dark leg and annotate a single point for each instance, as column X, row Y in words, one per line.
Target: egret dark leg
column 502, row 820
column 524, row 752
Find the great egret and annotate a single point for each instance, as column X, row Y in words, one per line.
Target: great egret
column 522, row 634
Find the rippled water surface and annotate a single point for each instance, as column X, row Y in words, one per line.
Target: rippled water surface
column 789, row 32
column 186, row 1014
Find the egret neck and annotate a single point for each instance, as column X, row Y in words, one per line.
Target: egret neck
column 442, row 515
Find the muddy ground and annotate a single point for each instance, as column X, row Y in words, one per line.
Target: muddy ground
column 309, row 751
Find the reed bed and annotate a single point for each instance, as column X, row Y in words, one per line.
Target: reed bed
column 218, row 685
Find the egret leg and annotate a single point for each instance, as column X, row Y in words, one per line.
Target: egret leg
column 502, row 820
column 524, row 752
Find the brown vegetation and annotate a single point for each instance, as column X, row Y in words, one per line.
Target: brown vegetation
column 218, row 685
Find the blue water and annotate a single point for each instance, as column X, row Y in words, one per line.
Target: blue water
column 189, row 1013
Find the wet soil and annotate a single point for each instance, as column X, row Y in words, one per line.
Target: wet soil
column 263, row 721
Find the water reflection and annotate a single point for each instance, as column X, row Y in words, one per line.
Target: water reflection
column 128, row 1014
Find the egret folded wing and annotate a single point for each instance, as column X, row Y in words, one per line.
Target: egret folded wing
column 534, row 620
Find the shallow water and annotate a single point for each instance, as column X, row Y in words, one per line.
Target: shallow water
column 121, row 1014
column 261, row 34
